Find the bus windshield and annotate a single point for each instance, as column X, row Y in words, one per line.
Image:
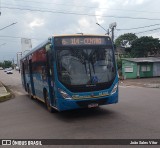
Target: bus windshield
column 85, row 66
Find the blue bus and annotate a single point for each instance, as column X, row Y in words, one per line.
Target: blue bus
column 71, row 71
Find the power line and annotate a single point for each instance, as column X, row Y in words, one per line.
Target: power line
column 0, row 7
column 107, row 31
column 69, row 5
column 35, row 8
column 2, row 44
column 18, row 37
column 37, row 2
column 11, row 41
column 74, row 13
column 147, row 31
column 138, row 27
column 8, row 26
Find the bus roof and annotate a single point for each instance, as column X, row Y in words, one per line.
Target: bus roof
column 79, row 34
column 64, row 35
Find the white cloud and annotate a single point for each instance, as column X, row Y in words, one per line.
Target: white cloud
column 139, row 1
column 132, row 2
column 33, row 24
column 125, row 2
column 99, row 17
column 36, row 23
column 84, row 22
column 103, row 8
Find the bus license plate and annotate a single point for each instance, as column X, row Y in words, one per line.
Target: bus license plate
column 93, row 105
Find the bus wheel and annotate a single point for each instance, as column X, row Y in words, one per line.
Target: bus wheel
column 49, row 108
column 29, row 93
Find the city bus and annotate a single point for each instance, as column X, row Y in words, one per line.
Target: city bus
column 71, row 71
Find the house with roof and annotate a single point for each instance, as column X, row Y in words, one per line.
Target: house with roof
column 140, row 67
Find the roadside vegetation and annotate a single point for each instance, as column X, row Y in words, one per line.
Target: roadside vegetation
column 6, row 64
column 134, row 47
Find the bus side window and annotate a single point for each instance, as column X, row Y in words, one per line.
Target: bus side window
column 44, row 73
column 50, row 59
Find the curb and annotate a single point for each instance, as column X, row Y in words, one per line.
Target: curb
column 152, row 85
column 141, row 85
column 6, row 96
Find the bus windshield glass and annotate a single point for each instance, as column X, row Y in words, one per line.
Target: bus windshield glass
column 85, row 66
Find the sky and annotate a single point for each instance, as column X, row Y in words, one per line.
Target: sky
column 38, row 19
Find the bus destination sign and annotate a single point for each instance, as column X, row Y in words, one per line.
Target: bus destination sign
column 73, row 41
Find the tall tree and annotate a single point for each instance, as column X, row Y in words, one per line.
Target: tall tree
column 7, row 64
column 1, row 64
column 144, row 46
column 125, row 40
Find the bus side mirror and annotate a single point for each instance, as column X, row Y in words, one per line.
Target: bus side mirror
column 50, row 52
column 48, row 47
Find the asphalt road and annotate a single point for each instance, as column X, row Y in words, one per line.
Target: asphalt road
column 135, row 116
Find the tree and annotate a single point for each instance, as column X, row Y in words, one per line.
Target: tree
column 1, row 64
column 7, row 64
column 144, row 46
column 125, row 40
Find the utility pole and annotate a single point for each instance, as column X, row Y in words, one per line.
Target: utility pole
column 107, row 31
column 112, row 26
column 13, row 62
column 0, row 7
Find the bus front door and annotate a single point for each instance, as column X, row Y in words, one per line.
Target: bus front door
column 31, row 77
column 23, row 77
column 50, row 67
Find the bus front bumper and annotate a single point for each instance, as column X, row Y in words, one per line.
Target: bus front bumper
column 86, row 103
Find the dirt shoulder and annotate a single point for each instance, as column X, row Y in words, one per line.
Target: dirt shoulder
column 142, row 82
column 5, row 93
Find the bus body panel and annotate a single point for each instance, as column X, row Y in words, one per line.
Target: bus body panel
column 53, row 86
column 73, row 104
column 102, row 97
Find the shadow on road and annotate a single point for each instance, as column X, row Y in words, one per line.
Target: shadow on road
column 86, row 113
column 83, row 113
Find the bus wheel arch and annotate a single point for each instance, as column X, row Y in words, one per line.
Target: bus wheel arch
column 46, row 99
column 29, row 91
column 26, row 87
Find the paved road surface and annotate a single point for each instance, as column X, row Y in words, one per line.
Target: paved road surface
column 135, row 116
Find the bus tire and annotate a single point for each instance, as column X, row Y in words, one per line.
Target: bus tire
column 29, row 92
column 48, row 106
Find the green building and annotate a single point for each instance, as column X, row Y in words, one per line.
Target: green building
column 140, row 67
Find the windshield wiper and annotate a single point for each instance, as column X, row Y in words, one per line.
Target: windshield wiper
column 85, row 66
column 93, row 66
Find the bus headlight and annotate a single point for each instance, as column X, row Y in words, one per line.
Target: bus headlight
column 64, row 94
column 114, row 89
